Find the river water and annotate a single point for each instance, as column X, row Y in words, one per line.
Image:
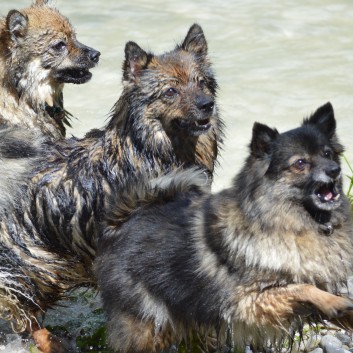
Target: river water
column 275, row 61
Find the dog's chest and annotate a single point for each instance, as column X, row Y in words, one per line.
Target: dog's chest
column 308, row 256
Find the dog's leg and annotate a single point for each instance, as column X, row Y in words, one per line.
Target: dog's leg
column 49, row 343
column 278, row 305
column 128, row 333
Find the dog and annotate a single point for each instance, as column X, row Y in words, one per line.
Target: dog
column 39, row 53
column 247, row 265
column 165, row 118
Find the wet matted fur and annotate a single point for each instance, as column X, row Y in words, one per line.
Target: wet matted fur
column 20, row 151
column 165, row 118
column 255, row 261
column 39, row 53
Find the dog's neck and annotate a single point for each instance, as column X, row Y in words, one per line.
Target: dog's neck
column 323, row 219
column 31, row 99
column 35, row 87
column 192, row 150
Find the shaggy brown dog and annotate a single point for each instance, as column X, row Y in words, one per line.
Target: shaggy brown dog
column 165, row 118
column 39, row 52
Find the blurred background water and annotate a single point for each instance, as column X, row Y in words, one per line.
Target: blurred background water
column 276, row 61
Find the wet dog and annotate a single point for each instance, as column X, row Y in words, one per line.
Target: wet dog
column 166, row 118
column 254, row 261
column 39, row 53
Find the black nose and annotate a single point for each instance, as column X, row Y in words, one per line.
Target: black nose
column 333, row 171
column 205, row 104
column 94, row 55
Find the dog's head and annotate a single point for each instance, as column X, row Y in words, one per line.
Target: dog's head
column 177, row 89
column 304, row 162
column 41, row 46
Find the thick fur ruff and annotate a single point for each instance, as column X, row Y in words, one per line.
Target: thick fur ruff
column 254, row 261
column 166, row 118
column 38, row 54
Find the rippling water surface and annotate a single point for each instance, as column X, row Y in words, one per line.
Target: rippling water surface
column 276, row 61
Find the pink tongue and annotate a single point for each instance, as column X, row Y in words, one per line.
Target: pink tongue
column 328, row 196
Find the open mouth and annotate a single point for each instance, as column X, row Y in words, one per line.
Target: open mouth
column 328, row 193
column 73, row 75
column 194, row 127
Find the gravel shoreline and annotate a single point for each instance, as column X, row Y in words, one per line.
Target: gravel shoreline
column 83, row 314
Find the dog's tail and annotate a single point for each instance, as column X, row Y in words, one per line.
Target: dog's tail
column 151, row 191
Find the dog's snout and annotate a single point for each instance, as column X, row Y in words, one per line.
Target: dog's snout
column 333, row 171
column 88, row 52
column 94, row 55
column 205, row 104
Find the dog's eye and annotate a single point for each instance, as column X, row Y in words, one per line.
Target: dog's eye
column 202, row 83
column 300, row 164
column 328, row 154
column 170, row 92
column 59, row 46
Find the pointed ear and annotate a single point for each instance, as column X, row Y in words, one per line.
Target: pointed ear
column 136, row 60
column 324, row 120
column 195, row 41
column 40, row 2
column 17, row 24
column 262, row 137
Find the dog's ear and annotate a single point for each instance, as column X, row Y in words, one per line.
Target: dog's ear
column 41, row 2
column 16, row 24
column 136, row 60
column 324, row 120
column 195, row 41
column 262, row 137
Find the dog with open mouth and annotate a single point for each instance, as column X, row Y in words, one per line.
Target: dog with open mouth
column 39, row 53
column 49, row 227
column 248, row 265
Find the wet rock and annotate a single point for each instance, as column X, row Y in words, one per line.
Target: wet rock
column 310, row 342
column 345, row 339
column 317, row 350
column 331, row 344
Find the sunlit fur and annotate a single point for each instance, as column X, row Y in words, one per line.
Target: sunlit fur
column 48, row 239
column 20, row 151
column 251, row 263
column 32, row 63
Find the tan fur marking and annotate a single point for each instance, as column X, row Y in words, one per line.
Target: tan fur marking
column 276, row 306
column 142, row 336
column 44, row 18
column 47, row 342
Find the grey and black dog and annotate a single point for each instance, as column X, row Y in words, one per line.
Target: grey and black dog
column 256, row 260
